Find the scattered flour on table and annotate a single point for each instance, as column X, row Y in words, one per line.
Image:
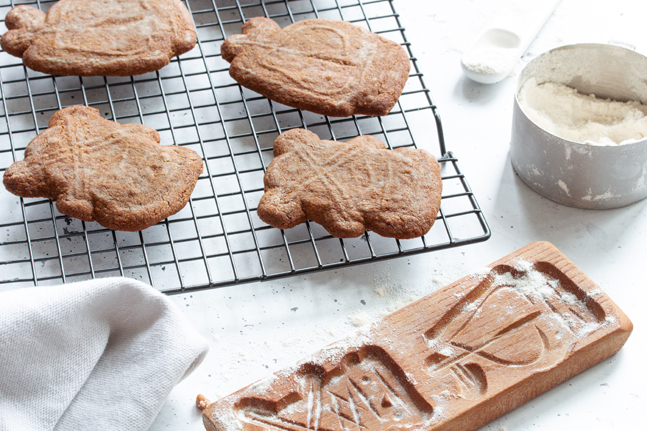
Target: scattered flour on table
column 394, row 297
column 361, row 318
column 586, row 119
column 291, row 341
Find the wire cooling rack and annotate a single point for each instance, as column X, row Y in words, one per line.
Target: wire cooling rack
column 217, row 239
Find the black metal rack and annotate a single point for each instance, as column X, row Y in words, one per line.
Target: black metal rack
column 217, row 239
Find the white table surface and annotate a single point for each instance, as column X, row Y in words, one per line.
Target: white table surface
column 259, row 328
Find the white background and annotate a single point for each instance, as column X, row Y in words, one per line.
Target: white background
column 259, row 328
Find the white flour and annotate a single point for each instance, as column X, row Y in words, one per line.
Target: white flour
column 394, row 296
column 488, row 61
column 531, row 282
column 564, row 112
column 360, row 319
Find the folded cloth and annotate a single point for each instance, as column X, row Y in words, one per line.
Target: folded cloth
column 96, row 355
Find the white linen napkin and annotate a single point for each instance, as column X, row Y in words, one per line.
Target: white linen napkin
column 96, row 355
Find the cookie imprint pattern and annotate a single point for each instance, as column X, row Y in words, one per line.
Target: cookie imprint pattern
column 454, row 360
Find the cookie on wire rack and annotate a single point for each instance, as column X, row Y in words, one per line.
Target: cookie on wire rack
column 98, row 170
column 349, row 187
column 99, row 38
column 324, row 66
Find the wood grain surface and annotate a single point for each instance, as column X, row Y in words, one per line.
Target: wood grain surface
column 453, row 360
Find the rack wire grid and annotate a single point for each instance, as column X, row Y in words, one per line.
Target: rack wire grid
column 217, row 239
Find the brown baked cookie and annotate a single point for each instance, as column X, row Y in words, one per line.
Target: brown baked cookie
column 348, row 187
column 99, row 37
column 99, row 170
column 325, row 66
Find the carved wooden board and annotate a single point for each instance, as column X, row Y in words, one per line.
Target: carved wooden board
column 454, row 360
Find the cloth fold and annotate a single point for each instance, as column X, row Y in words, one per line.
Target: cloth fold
column 96, row 355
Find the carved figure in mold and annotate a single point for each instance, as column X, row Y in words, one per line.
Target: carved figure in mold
column 454, row 360
column 478, row 334
column 367, row 389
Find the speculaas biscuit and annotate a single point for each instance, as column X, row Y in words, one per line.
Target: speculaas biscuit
column 99, row 170
column 324, row 66
column 349, row 187
column 98, row 37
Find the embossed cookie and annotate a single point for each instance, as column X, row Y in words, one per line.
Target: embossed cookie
column 99, row 170
column 348, row 187
column 99, row 37
column 325, row 66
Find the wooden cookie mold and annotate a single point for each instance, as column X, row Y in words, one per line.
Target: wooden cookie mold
column 453, row 360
